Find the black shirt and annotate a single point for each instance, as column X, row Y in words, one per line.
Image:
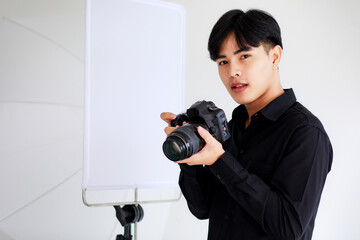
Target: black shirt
column 268, row 183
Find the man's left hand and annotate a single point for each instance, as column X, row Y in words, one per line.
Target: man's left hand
column 210, row 152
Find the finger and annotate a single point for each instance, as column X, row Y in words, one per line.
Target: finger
column 184, row 161
column 204, row 134
column 191, row 160
column 169, row 130
column 167, row 117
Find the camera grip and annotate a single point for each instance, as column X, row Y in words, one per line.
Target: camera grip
column 179, row 120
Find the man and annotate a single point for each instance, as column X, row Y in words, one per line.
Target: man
column 265, row 182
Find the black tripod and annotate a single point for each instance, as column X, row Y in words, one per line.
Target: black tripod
column 127, row 215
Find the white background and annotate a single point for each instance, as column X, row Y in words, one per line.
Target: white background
column 41, row 113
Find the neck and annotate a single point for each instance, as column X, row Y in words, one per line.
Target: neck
column 260, row 103
column 253, row 108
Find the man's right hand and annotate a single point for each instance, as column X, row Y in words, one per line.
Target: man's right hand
column 168, row 117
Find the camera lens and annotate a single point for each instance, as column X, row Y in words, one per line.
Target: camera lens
column 174, row 148
column 183, row 142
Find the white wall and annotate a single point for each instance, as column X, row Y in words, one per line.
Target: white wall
column 41, row 104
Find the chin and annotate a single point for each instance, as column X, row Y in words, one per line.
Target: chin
column 240, row 100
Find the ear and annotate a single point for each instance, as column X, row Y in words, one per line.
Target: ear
column 275, row 54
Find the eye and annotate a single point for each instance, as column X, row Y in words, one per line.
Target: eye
column 245, row 56
column 220, row 63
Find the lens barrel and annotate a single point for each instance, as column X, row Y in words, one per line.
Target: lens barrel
column 183, row 142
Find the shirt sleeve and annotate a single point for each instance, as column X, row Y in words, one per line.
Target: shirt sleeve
column 284, row 206
column 195, row 183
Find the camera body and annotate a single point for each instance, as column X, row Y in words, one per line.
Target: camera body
column 208, row 116
column 185, row 141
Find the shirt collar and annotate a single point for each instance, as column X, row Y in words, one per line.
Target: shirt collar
column 278, row 106
column 273, row 110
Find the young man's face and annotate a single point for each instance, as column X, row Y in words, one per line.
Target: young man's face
column 249, row 73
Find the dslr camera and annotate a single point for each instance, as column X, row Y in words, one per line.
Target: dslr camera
column 185, row 141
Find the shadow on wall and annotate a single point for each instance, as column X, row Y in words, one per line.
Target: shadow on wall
column 41, row 125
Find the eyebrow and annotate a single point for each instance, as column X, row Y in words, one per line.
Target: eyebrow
column 243, row 49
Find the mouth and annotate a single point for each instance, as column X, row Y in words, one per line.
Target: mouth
column 238, row 87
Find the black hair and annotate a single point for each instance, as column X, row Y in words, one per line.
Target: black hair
column 251, row 29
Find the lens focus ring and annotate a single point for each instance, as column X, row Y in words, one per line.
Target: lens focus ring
column 183, row 142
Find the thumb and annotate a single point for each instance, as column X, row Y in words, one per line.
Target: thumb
column 204, row 134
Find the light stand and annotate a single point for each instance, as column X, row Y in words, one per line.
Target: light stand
column 127, row 215
column 132, row 212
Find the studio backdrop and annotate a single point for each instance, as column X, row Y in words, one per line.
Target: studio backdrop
column 134, row 71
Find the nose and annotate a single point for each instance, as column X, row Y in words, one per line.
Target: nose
column 235, row 71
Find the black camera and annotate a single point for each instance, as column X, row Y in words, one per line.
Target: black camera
column 185, row 141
